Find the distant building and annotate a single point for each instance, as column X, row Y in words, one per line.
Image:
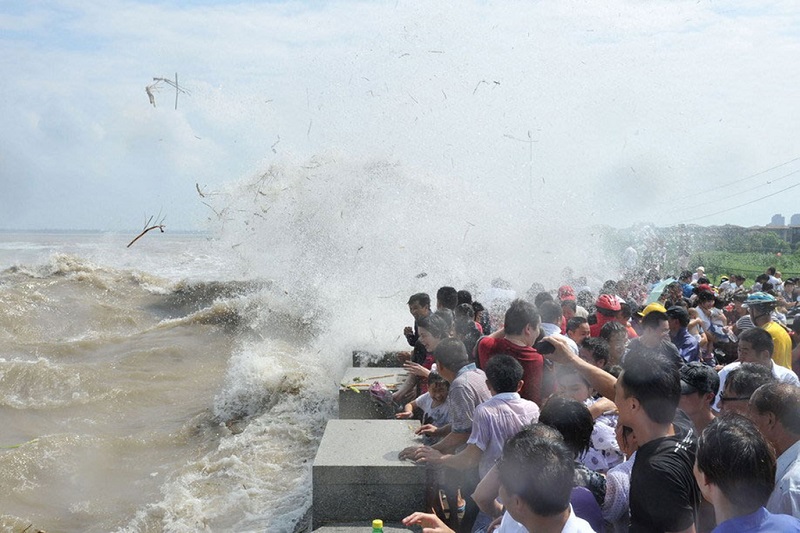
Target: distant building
column 795, row 221
column 778, row 220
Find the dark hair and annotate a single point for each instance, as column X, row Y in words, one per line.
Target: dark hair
column 782, row 399
column 575, row 322
column 759, row 339
column 606, row 312
column 686, row 274
column 436, row 378
column 609, row 287
column 550, row 312
column 655, row 381
column 420, row 298
column 682, row 318
column 447, row 297
column 451, row 354
column 435, row 324
column 464, row 297
column 746, row 378
column 598, row 347
column 625, row 310
column 538, row 468
column 609, row 328
column 520, row 314
column 704, row 296
column 572, row 419
column 653, row 319
column 542, row 297
column 703, row 280
column 771, row 271
column 585, row 299
column 504, row 373
column 569, row 304
column 735, row 457
column 464, row 310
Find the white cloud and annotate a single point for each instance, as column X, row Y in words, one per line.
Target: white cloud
column 628, row 103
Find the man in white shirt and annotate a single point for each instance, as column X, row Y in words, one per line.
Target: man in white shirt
column 536, row 479
column 494, row 421
column 775, row 409
column 755, row 346
column 551, row 314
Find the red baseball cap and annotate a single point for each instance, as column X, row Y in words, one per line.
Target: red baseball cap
column 565, row 292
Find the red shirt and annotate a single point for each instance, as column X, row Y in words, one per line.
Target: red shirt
column 602, row 320
column 531, row 361
column 594, row 329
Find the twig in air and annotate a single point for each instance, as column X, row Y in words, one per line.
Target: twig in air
column 154, row 87
column 147, row 227
column 467, row 230
column 276, row 144
column 478, row 85
column 197, row 186
column 219, row 215
column 308, row 133
column 391, row 295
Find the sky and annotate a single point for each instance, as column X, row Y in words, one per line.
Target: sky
column 614, row 112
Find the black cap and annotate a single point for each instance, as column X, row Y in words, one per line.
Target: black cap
column 697, row 377
column 679, row 312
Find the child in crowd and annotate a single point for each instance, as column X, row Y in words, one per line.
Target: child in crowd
column 604, row 452
column 433, row 404
column 694, row 326
column 616, row 335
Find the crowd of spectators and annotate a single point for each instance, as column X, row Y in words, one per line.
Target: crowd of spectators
column 669, row 406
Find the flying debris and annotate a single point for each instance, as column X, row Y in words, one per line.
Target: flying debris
column 149, row 226
column 156, row 85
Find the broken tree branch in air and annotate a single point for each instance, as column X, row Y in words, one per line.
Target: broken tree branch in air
column 154, row 87
column 149, row 226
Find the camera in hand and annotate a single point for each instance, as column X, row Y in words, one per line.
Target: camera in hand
column 544, row 347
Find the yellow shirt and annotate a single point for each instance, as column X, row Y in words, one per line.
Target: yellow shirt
column 782, row 354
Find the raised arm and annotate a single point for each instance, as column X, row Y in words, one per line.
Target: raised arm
column 602, row 381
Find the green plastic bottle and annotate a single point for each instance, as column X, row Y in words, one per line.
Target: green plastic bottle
column 377, row 526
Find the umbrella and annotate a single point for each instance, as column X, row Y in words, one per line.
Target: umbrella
column 658, row 288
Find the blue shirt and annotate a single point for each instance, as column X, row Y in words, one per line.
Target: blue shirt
column 762, row 521
column 688, row 290
column 687, row 345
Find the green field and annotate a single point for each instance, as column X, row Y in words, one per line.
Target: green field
column 748, row 264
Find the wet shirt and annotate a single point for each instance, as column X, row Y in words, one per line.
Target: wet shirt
column 664, row 495
column 762, row 521
column 782, row 354
column 439, row 415
column 467, row 391
column 687, row 345
column 785, row 498
column 532, row 363
column 495, row 421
